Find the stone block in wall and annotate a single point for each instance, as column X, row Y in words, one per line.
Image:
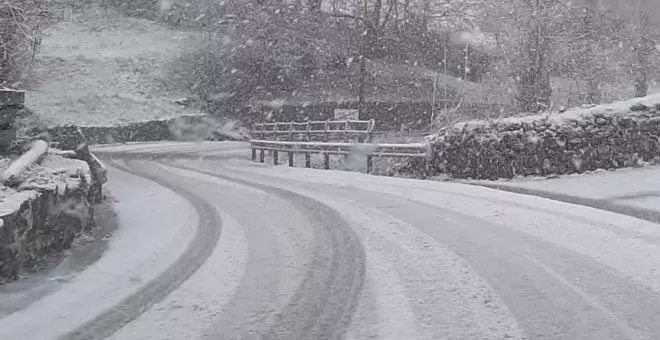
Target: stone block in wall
column 11, row 102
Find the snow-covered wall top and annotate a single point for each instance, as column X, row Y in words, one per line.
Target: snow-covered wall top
column 607, row 136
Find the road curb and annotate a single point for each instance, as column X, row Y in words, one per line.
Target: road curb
column 602, row 204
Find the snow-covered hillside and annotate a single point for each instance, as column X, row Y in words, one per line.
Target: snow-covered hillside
column 99, row 67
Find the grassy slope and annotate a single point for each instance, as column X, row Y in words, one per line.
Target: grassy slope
column 104, row 69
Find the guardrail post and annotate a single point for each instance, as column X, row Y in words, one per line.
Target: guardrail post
column 290, row 158
column 326, row 161
column 254, row 154
column 261, row 156
column 275, row 158
column 308, row 160
column 369, row 163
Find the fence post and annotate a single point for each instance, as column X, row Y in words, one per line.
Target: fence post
column 275, row 157
column 308, row 160
column 254, row 154
column 261, row 155
column 370, row 128
column 369, row 163
column 291, row 159
column 309, row 135
column 326, row 161
column 326, row 129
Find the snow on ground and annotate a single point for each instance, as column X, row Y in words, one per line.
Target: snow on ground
column 98, row 69
column 172, row 147
column 191, row 309
column 392, row 247
column 580, row 229
column 149, row 239
column 397, row 252
column 611, row 184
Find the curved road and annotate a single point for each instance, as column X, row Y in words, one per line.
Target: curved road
column 289, row 253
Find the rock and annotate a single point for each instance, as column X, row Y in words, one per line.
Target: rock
column 602, row 121
column 183, row 101
column 639, row 107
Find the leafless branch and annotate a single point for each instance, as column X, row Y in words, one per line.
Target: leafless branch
column 20, row 34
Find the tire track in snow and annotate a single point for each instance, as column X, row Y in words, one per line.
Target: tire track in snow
column 545, row 306
column 413, row 279
column 323, row 305
column 197, row 252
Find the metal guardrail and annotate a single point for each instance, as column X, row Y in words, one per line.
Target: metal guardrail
column 316, row 142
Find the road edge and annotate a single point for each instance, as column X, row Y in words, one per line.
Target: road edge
column 601, row 204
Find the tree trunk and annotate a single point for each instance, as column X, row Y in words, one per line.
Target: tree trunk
column 361, row 86
column 534, row 91
column 368, row 46
column 642, row 66
column 315, row 5
column 589, row 65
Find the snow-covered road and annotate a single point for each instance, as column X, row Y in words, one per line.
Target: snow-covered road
column 290, row 253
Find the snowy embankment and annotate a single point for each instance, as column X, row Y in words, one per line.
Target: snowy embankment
column 41, row 216
column 618, row 135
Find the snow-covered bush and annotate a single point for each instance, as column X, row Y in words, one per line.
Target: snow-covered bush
column 609, row 136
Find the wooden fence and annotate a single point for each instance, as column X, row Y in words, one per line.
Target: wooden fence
column 325, row 131
column 320, row 137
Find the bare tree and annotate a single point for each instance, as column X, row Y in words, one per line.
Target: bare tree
column 20, row 35
column 589, row 66
column 643, row 17
column 533, row 78
column 642, row 49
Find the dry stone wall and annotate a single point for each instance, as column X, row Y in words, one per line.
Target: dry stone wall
column 42, row 217
column 620, row 135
